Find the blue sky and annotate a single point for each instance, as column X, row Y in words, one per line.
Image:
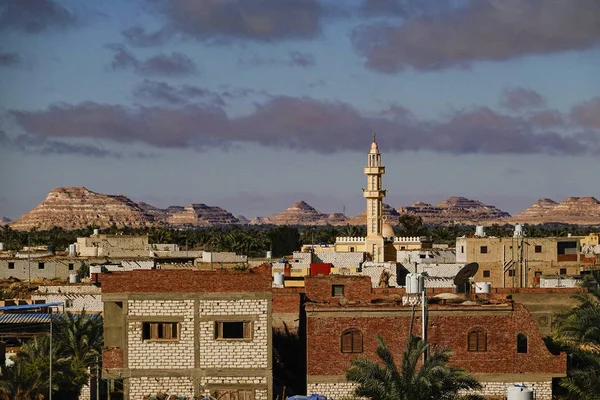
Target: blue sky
column 252, row 105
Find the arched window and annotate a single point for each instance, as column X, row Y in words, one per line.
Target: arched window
column 352, row 341
column 521, row 343
column 477, row 340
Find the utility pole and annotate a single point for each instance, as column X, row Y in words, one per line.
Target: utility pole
column 50, row 393
column 97, row 378
column 29, row 260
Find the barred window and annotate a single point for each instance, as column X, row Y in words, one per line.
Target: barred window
column 160, row 330
column 352, row 341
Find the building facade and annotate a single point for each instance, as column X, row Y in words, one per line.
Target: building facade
column 189, row 333
column 508, row 348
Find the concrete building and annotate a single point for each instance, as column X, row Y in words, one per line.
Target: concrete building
column 73, row 297
column 498, row 342
column 102, row 245
column 189, row 333
column 521, row 261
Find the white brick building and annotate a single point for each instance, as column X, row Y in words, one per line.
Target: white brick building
column 189, row 333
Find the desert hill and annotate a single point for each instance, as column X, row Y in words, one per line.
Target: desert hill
column 301, row 213
column 456, row 210
column 572, row 210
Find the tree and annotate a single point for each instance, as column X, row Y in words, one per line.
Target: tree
column 434, row 379
column 411, row 224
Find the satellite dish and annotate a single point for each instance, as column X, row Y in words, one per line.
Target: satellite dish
column 467, row 272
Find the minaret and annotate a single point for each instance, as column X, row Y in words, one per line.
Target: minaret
column 374, row 195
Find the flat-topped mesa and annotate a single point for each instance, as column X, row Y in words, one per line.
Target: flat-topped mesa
column 78, row 207
column 301, row 213
column 572, row 210
column 456, row 210
column 202, row 215
column 390, row 216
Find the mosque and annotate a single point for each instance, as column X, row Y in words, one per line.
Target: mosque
column 380, row 245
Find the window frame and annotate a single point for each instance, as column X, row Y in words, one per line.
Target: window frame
column 562, row 271
column 483, row 250
column 522, row 343
column 247, row 329
column 240, row 394
column 333, row 290
column 41, row 265
column 487, row 273
column 71, row 266
column 480, row 340
column 11, row 265
column 512, row 272
column 355, row 344
column 158, row 327
column 538, row 248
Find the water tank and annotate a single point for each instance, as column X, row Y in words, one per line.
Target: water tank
column 479, row 231
column 279, row 278
column 96, row 232
column 269, row 254
column 1, row 246
column 518, row 230
column 72, row 250
column 483, row 287
column 519, row 392
column 73, row 278
column 414, row 283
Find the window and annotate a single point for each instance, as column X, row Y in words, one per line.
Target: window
column 233, row 330
column 351, row 249
column 483, row 249
column 69, row 303
column 462, row 249
column 160, row 331
column 563, row 271
column 337, row 290
column 71, row 266
column 538, row 248
column 352, row 341
column 486, row 273
column 521, row 343
column 234, row 394
column 477, row 340
column 41, row 265
column 511, row 272
column 421, row 255
column 11, row 265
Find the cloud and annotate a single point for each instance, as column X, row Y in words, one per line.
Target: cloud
column 45, row 146
column 175, row 64
column 257, row 20
column 155, row 91
column 587, row 114
column 406, row 8
column 9, row 59
column 493, row 30
column 546, row 118
column 294, row 59
column 34, row 16
column 520, row 98
column 137, row 36
column 303, row 124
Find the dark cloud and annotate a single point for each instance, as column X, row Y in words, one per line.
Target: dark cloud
column 175, row 64
column 407, row 8
column 483, row 30
column 9, row 59
column 137, row 36
column 44, row 146
column 33, row 16
column 302, row 124
column 294, row 59
column 587, row 114
column 520, row 98
column 546, row 118
column 259, row 20
column 155, row 91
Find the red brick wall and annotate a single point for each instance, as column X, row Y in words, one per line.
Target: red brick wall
column 319, row 288
column 112, row 358
column 325, row 358
column 165, row 281
column 287, row 300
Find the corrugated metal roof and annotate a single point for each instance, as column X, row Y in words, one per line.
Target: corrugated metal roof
column 31, row 306
column 32, row 318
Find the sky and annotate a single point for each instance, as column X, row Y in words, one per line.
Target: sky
column 252, row 105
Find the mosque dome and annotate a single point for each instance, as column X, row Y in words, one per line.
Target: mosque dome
column 387, row 231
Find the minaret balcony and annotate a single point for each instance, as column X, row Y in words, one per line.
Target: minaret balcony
column 374, row 194
column 374, row 170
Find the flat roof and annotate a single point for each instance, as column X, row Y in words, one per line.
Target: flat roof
column 31, row 306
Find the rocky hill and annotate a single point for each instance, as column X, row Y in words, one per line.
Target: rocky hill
column 390, row 215
column 78, row 207
column 572, row 210
column 202, row 215
column 301, row 213
column 4, row 221
column 456, row 210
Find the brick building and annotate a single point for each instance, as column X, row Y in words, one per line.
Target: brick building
column 189, row 332
column 498, row 342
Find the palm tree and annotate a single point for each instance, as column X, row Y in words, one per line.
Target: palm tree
column 433, row 379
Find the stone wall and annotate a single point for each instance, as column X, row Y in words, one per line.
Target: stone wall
column 53, row 268
column 163, row 354
column 559, row 281
column 144, row 386
column 234, row 353
column 337, row 390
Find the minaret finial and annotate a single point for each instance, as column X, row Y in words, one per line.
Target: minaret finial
column 374, row 136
